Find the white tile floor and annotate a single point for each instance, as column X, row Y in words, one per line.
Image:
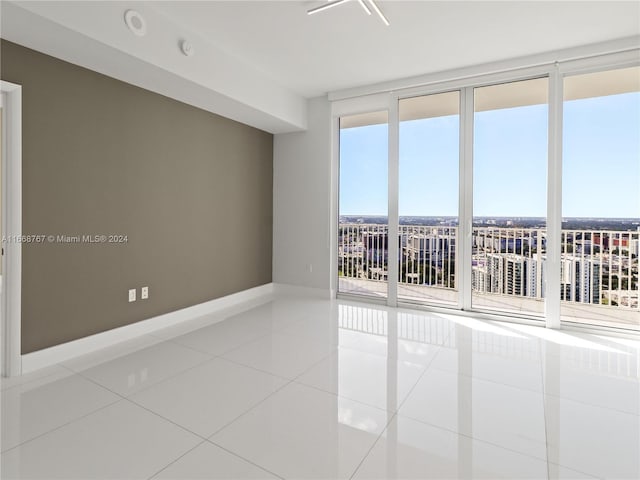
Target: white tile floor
column 309, row 388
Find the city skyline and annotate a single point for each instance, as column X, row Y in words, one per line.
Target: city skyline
column 508, row 266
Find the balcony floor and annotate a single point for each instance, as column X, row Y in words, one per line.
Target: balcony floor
column 301, row 387
column 571, row 312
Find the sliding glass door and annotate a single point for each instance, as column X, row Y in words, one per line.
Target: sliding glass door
column 510, row 197
column 363, row 233
column 601, row 199
column 429, row 161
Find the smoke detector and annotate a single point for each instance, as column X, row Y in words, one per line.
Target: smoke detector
column 187, row 48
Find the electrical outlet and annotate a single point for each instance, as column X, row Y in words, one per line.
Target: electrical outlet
column 144, row 293
column 310, row 267
column 132, row 294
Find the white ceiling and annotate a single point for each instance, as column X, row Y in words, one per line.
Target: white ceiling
column 258, row 61
column 342, row 47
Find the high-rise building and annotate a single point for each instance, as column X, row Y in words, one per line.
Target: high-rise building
column 521, row 276
column 479, row 277
column 495, row 273
column 580, row 279
column 515, row 271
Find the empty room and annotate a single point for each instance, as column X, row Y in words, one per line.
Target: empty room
column 320, row 239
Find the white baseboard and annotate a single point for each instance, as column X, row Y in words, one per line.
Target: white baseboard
column 60, row 353
column 286, row 289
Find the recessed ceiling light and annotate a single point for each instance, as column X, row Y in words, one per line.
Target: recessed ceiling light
column 135, row 22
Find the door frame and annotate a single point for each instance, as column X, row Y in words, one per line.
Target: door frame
column 369, row 104
column 11, row 297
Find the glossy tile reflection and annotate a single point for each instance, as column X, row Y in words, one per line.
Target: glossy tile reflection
column 599, row 441
column 596, row 378
column 509, row 417
column 411, row 449
column 294, row 387
column 138, row 370
column 301, row 432
column 208, row 396
column 366, row 378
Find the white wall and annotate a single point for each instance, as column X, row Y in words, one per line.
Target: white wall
column 302, row 201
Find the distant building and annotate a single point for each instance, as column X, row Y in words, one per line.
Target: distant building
column 515, row 270
column 495, row 273
column 580, row 279
column 431, row 247
column 479, row 277
column 376, row 246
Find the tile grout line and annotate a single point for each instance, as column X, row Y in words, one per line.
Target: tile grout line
column 216, row 317
column 72, row 372
column 476, row 439
column 133, row 349
column 209, row 438
column 175, row 460
column 63, row 425
column 424, row 372
column 288, row 382
column 182, row 427
column 392, row 415
column 375, row 442
column 297, row 381
column 242, row 344
column 109, row 404
column 396, row 413
column 592, row 405
column 281, row 376
column 495, row 382
column 200, row 437
column 544, row 412
column 360, row 402
column 589, row 475
column 199, row 363
column 212, row 357
column 133, row 352
column 132, row 402
column 244, row 459
column 188, row 347
column 544, row 393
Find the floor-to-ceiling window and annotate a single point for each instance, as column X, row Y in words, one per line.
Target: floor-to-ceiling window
column 363, row 237
column 485, row 171
column 428, row 197
column 601, row 198
column 509, row 196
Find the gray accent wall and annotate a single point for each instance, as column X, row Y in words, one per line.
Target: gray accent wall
column 191, row 191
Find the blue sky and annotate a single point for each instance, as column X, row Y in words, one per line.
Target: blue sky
column 601, row 162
